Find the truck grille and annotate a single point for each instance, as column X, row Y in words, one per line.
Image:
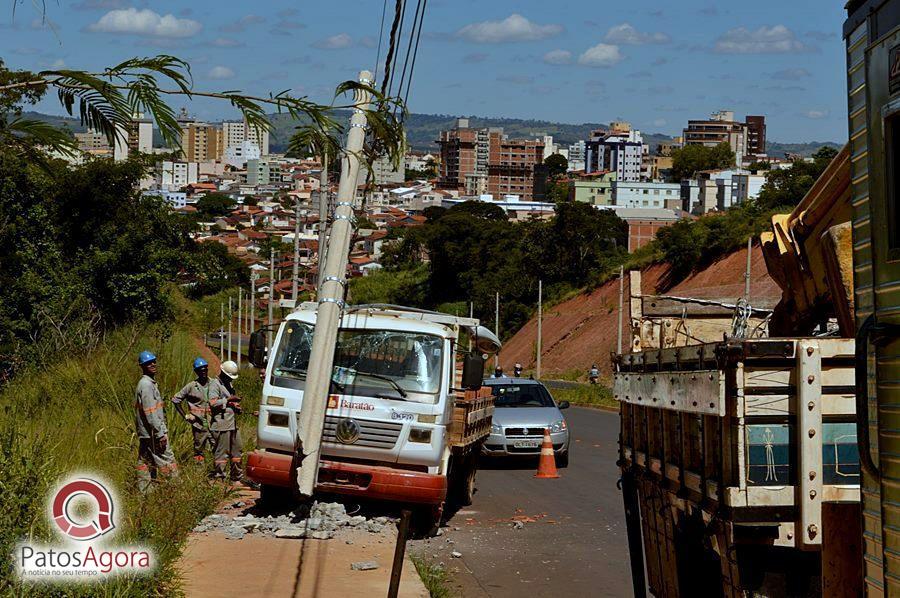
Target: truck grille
column 373, row 433
column 529, row 432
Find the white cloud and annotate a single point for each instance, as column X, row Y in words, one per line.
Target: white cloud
column 558, row 57
column 816, row 114
column 627, row 34
column 220, row 72
column 145, row 22
column 242, row 24
column 601, row 55
column 335, row 42
column 514, row 28
column 777, row 39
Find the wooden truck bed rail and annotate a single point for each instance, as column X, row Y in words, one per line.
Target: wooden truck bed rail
column 473, row 413
column 746, row 425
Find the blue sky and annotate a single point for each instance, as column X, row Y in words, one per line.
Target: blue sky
column 653, row 63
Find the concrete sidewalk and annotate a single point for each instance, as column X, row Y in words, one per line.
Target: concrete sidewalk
column 259, row 566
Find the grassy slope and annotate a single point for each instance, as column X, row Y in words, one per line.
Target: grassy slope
column 77, row 415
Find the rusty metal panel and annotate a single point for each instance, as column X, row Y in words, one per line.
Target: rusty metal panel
column 701, row 391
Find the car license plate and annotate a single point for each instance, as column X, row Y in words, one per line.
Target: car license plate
column 526, row 444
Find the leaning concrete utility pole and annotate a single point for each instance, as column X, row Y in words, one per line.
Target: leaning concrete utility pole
column 323, row 216
column 296, row 272
column 221, row 331
column 537, row 373
column 252, row 306
column 330, row 298
column 271, row 299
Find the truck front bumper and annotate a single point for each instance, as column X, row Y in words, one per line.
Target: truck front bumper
column 370, row 481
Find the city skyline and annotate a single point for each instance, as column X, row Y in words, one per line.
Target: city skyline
column 649, row 64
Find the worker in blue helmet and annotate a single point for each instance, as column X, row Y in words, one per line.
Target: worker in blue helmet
column 196, row 395
column 154, row 453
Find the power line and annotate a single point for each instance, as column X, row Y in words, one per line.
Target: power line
column 380, row 36
column 392, row 41
column 412, row 34
column 415, row 52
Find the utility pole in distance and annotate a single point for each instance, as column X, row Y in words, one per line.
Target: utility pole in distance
column 537, row 373
column 230, row 321
column 240, row 325
column 621, row 307
column 330, row 298
column 497, row 326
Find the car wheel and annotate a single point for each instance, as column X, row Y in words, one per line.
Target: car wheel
column 562, row 460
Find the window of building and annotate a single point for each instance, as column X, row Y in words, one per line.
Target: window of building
column 892, row 175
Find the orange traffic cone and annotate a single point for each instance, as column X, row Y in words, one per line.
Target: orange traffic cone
column 547, row 464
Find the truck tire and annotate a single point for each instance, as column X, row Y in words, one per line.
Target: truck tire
column 466, row 491
column 426, row 520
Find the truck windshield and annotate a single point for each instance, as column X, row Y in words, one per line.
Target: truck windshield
column 369, row 361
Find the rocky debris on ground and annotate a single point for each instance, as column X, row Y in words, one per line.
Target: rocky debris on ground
column 455, row 554
column 364, row 566
column 320, row 521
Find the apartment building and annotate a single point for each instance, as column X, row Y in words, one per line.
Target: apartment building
column 593, row 189
column 637, row 194
column 173, row 175
column 485, row 161
column 235, row 133
column 746, row 139
column 92, row 141
column 200, row 141
column 616, row 150
column 137, row 137
column 576, row 156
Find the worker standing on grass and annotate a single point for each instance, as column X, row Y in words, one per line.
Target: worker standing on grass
column 196, row 394
column 594, row 374
column 224, row 405
column 154, row 454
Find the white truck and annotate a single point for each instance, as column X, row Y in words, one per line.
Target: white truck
column 405, row 419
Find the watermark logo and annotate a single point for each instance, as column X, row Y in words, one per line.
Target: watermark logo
column 92, row 529
column 82, row 511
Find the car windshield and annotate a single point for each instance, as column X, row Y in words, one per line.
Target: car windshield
column 521, row 395
column 369, row 361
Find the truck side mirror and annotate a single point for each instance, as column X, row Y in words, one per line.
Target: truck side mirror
column 473, row 371
column 256, row 352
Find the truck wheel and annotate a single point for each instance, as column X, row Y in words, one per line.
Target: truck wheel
column 467, row 484
column 426, row 520
column 562, row 460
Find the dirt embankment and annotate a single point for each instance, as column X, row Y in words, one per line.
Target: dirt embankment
column 583, row 330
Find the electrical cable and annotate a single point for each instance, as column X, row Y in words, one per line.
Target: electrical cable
column 392, row 41
column 415, row 52
column 380, row 37
column 412, row 34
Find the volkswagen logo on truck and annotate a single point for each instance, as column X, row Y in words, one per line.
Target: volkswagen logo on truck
column 347, row 431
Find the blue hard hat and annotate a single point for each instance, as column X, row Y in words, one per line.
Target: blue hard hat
column 200, row 363
column 146, row 357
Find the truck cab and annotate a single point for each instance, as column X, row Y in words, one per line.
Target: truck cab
column 389, row 426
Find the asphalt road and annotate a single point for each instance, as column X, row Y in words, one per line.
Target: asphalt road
column 573, row 542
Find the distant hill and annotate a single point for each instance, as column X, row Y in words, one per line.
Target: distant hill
column 422, row 131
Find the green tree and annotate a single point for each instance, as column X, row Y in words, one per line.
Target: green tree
column 479, row 209
column 556, row 164
column 691, row 159
column 786, row 187
column 214, row 205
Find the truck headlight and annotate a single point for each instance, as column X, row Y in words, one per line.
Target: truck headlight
column 420, row 435
column 558, row 426
column 495, row 428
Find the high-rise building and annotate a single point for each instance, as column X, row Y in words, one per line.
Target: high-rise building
column 745, row 139
column 576, row 155
column 616, row 151
column 235, row 133
column 93, row 142
column 756, row 135
column 138, row 138
column 200, row 141
column 479, row 161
